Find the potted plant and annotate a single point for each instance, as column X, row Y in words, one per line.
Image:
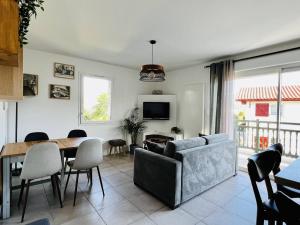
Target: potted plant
column 27, row 9
column 133, row 126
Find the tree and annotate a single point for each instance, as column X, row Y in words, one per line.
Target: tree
column 100, row 110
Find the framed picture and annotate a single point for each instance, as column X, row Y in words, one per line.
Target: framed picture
column 59, row 91
column 30, row 84
column 64, row 70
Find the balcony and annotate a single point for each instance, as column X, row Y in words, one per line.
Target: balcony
column 256, row 135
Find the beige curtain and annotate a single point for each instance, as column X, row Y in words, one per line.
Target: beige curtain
column 227, row 102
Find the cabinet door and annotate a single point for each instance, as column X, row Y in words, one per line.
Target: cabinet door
column 9, row 37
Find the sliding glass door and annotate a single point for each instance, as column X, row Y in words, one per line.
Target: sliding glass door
column 267, row 110
column 289, row 119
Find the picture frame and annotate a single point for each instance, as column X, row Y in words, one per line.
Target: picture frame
column 30, row 84
column 57, row 91
column 62, row 70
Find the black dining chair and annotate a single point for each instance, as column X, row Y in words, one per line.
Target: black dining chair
column 291, row 192
column 72, row 153
column 260, row 166
column 36, row 136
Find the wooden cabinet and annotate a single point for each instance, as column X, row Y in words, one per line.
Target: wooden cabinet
column 11, row 55
column 11, row 80
column 9, row 28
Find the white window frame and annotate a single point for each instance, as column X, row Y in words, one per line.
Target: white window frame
column 81, row 91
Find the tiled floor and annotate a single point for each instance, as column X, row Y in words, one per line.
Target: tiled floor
column 230, row 203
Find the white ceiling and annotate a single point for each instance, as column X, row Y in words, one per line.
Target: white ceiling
column 187, row 32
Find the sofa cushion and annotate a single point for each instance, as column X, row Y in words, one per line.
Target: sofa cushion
column 179, row 145
column 216, row 138
column 155, row 147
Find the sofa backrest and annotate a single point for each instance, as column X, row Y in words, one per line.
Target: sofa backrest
column 215, row 138
column 179, row 145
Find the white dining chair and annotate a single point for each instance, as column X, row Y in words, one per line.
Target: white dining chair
column 41, row 160
column 88, row 156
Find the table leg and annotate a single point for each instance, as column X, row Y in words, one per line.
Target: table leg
column 6, row 188
column 62, row 176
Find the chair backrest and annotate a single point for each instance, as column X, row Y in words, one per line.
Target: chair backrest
column 276, row 147
column 77, row 133
column 260, row 166
column 36, row 136
column 41, row 160
column 89, row 154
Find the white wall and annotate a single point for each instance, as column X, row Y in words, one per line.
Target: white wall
column 58, row 117
column 191, row 85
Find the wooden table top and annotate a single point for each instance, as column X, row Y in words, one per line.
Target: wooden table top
column 20, row 148
column 290, row 176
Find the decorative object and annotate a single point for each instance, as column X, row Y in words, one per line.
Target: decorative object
column 152, row 72
column 157, row 92
column 26, row 10
column 133, row 126
column 59, row 91
column 30, row 84
column 176, row 130
column 64, row 71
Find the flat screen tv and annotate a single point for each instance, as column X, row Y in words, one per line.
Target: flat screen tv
column 156, row 110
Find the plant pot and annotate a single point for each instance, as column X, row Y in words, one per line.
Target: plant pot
column 132, row 147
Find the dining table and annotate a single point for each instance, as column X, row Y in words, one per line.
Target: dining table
column 15, row 152
column 290, row 175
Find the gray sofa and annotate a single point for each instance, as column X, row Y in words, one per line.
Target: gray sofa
column 186, row 167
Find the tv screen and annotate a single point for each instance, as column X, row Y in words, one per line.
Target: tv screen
column 156, row 110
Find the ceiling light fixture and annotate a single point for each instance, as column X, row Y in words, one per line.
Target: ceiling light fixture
column 152, row 72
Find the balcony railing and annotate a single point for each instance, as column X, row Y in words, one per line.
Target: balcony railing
column 258, row 135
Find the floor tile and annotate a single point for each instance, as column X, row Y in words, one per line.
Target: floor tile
column 121, row 213
column 117, row 179
column 166, row 216
column 199, row 207
column 225, row 218
column 99, row 202
column 90, row 219
column 129, row 189
column 242, row 208
column 69, row 212
column 144, row 221
column 218, row 196
column 146, row 203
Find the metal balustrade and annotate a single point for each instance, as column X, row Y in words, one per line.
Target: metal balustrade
column 258, row 135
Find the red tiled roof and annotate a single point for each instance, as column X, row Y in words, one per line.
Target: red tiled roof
column 268, row 93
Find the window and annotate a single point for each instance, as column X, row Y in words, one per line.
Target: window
column 95, row 99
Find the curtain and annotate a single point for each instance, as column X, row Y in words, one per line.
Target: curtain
column 222, row 98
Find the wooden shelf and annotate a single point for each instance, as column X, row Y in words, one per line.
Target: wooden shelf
column 11, row 80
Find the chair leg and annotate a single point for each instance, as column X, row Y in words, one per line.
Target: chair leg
column 91, row 176
column 21, row 192
column 271, row 222
column 100, row 180
column 53, row 184
column 66, row 164
column 58, row 190
column 68, row 180
column 76, row 184
column 259, row 219
column 25, row 203
column 110, row 150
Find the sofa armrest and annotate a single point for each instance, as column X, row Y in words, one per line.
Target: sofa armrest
column 159, row 175
column 204, row 167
